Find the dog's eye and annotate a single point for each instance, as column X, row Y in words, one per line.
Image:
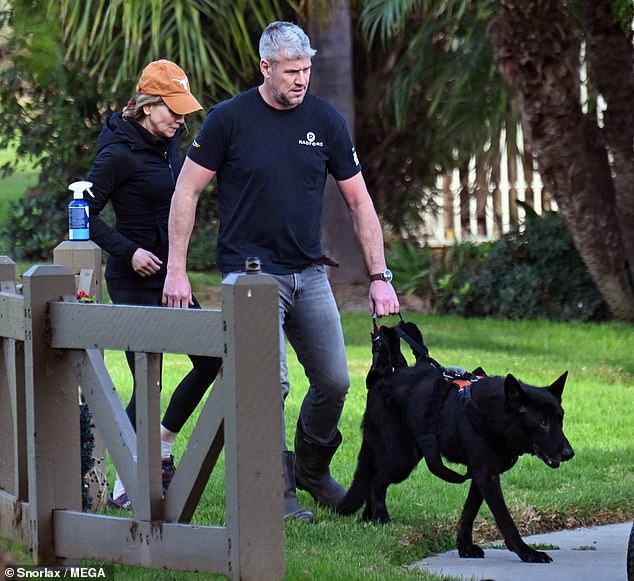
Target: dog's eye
column 543, row 423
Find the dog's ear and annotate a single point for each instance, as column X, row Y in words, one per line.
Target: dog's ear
column 557, row 388
column 414, row 333
column 514, row 395
column 412, row 330
column 479, row 372
column 397, row 359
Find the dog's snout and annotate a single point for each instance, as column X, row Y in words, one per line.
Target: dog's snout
column 567, row 453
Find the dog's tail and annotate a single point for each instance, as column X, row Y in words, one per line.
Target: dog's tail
column 358, row 491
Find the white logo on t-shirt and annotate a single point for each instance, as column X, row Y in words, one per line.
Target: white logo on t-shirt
column 310, row 140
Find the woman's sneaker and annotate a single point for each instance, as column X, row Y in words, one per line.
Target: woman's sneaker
column 168, row 472
column 122, row 502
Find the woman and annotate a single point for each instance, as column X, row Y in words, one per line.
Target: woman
column 136, row 167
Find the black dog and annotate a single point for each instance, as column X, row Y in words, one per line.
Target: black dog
column 484, row 423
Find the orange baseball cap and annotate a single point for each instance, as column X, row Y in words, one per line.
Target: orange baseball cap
column 166, row 79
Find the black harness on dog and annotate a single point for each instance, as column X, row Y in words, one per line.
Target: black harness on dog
column 463, row 381
column 453, row 377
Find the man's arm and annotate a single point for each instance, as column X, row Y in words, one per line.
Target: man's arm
column 382, row 299
column 192, row 180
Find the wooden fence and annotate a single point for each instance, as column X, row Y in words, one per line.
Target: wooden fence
column 51, row 345
column 479, row 202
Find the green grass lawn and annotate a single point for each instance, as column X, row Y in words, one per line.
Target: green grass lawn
column 597, row 486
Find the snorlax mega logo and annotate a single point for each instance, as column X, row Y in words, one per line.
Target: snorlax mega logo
column 310, row 140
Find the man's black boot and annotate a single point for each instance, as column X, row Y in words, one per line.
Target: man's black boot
column 312, row 472
column 291, row 504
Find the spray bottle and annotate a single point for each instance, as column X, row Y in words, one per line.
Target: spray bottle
column 79, row 212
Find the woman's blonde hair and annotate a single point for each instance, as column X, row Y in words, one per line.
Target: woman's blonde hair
column 134, row 108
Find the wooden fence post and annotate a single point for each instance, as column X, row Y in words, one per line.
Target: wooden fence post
column 10, row 429
column 81, row 256
column 7, row 274
column 147, row 496
column 253, row 429
column 52, row 415
column 83, row 259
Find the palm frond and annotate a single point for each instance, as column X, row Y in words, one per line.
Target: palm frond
column 446, row 69
column 211, row 39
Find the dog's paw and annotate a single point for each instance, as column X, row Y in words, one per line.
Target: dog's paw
column 378, row 517
column 471, row 552
column 533, row 556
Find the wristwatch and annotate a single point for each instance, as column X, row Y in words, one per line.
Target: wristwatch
column 385, row 276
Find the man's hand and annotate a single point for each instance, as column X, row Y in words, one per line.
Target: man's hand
column 382, row 299
column 145, row 263
column 177, row 292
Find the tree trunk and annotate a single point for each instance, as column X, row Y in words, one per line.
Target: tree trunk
column 537, row 50
column 610, row 59
column 332, row 79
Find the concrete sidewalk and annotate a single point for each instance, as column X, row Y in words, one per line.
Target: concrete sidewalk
column 591, row 554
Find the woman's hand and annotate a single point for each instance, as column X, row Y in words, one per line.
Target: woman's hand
column 145, row 263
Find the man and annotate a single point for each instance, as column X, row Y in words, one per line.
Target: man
column 271, row 148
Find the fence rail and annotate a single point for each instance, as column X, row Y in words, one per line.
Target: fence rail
column 51, row 347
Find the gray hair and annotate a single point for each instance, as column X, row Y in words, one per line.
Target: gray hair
column 284, row 37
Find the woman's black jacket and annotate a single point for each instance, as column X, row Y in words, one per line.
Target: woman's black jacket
column 136, row 171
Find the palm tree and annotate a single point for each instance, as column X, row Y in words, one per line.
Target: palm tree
column 333, row 79
column 585, row 161
column 443, row 101
column 588, row 165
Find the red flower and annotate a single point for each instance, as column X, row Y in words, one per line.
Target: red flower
column 84, row 297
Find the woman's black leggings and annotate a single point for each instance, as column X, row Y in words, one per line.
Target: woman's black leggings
column 192, row 387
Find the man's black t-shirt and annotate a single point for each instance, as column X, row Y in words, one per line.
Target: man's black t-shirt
column 271, row 167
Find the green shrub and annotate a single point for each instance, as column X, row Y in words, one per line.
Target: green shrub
column 35, row 225
column 455, row 265
column 411, row 266
column 440, row 275
column 87, row 439
column 202, row 248
column 534, row 271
